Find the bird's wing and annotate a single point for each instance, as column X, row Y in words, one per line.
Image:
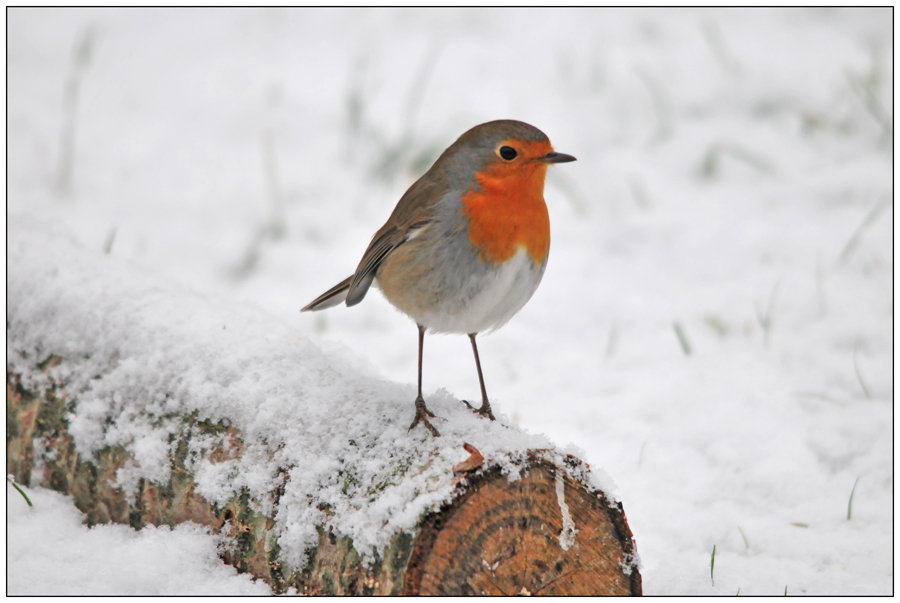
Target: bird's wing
column 414, row 211
column 383, row 243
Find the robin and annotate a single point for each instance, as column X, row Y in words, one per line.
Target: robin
column 467, row 244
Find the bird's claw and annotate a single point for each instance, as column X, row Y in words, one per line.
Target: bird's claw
column 484, row 411
column 422, row 414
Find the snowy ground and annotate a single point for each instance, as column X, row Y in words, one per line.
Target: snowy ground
column 734, row 178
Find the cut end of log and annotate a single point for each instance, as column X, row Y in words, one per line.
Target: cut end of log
column 543, row 534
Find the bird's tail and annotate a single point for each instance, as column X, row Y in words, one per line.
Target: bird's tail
column 332, row 297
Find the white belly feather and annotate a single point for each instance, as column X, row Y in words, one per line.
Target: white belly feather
column 496, row 296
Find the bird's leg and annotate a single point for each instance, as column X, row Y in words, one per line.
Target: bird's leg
column 422, row 413
column 485, row 410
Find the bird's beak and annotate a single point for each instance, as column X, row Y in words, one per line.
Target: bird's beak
column 555, row 157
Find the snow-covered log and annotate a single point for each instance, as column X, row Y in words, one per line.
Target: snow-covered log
column 151, row 404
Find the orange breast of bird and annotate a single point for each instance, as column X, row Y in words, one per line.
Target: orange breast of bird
column 506, row 211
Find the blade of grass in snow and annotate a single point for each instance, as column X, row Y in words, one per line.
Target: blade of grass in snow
column 820, row 396
column 403, row 153
column 716, row 324
column 712, row 565
column 859, row 377
column 866, row 87
column 765, row 319
column 712, row 33
column 612, row 341
column 858, row 234
column 850, row 502
column 744, row 536
column 641, row 453
column 275, row 226
column 799, row 524
column 251, row 255
column 682, row 339
column 81, row 59
column 661, row 104
column 13, row 483
column 355, row 101
column 110, row 239
column 749, row 157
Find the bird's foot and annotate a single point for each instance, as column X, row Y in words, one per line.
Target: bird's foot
column 422, row 414
column 484, row 411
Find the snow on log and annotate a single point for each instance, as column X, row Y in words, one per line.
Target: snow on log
column 151, row 404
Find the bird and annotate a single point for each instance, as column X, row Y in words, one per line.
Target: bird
column 467, row 244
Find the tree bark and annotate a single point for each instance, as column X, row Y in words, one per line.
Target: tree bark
column 544, row 533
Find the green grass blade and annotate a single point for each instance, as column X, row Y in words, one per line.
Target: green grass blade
column 744, row 536
column 25, row 496
column 859, row 377
column 682, row 339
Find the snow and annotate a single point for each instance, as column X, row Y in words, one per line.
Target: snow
column 51, row 553
column 734, row 177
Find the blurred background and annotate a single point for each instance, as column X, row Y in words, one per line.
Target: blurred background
column 714, row 328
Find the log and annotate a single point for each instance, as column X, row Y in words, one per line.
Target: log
column 107, row 403
column 545, row 533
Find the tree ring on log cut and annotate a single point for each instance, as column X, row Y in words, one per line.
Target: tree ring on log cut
column 505, row 538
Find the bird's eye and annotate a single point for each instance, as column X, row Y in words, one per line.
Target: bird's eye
column 508, row 153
